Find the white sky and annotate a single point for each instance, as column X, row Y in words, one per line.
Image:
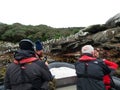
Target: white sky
column 58, row 13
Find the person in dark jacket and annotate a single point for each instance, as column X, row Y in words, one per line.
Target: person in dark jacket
column 39, row 51
column 26, row 72
column 90, row 71
column 40, row 54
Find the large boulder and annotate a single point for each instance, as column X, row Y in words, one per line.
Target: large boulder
column 113, row 21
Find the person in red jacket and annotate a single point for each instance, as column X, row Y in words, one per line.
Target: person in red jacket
column 112, row 65
column 90, row 70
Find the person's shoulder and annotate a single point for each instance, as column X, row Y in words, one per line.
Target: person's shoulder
column 100, row 60
column 10, row 66
column 39, row 61
column 77, row 62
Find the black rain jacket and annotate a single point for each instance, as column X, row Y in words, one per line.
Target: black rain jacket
column 25, row 73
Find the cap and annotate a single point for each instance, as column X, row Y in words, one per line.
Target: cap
column 26, row 44
column 87, row 49
column 38, row 45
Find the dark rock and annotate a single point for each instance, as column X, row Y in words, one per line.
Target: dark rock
column 113, row 21
column 95, row 28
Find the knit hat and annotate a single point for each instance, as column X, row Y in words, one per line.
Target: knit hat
column 87, row 49
column 26, row 44
column 38, row 45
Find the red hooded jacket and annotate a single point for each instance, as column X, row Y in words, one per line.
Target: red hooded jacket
column 106, row 78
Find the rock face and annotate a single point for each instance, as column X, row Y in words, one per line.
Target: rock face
column 113, row 21
column 106, row 37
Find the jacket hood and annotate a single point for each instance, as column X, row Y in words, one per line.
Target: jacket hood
column 22, row 54
column 86, row 57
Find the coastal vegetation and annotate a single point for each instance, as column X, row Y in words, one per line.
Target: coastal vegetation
column 16, row 32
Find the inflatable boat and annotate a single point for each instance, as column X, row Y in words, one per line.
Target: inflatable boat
column 68, row 82
column 71, row 80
